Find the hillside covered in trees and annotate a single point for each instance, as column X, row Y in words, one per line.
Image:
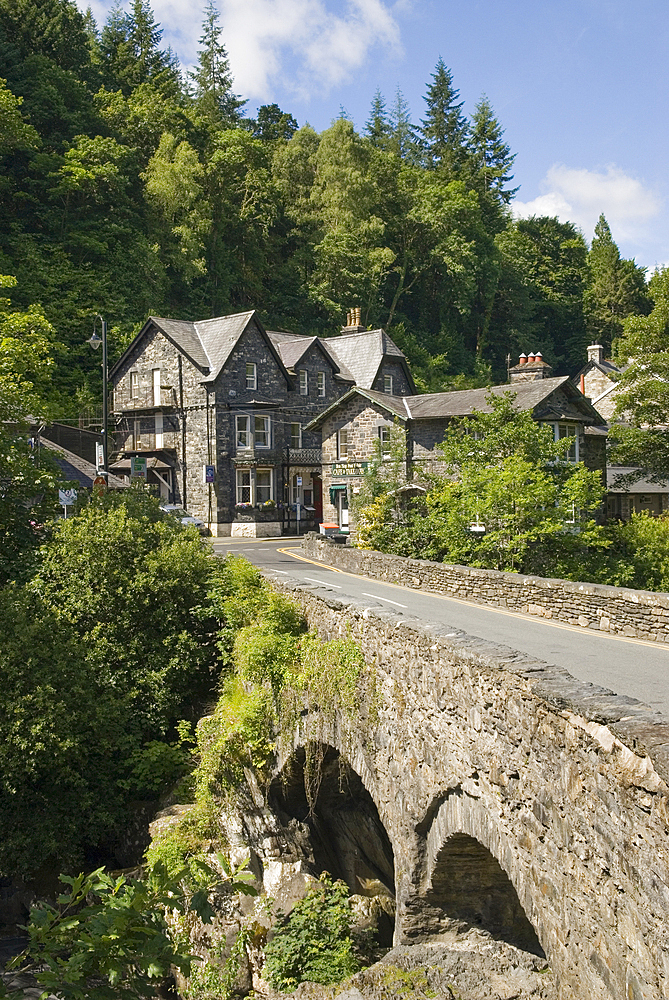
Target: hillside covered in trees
column 128, row 187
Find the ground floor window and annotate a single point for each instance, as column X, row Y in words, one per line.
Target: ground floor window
column 263, row 485
column 243, row 486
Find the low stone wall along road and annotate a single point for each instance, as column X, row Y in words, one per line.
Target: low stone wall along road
column 634, row 668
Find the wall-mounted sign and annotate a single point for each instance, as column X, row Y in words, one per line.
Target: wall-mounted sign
column 138, row 467
column 209, row 473
column 349, row 469
column 299, row 480
column 99, row 455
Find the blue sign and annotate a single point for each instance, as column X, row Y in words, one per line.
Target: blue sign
column 209, row 472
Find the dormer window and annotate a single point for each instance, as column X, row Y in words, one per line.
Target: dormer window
column 388, row 384
column 251, row 376
column 304, row 382
column 321, row 384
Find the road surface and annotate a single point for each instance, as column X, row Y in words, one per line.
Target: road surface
column 632, row 667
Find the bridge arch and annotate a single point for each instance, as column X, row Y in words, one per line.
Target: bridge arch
column 347, row 836
column 470, row 875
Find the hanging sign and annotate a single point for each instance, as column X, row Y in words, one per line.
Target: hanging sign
column 99, row 455
column 209, row 473
column 138, row 467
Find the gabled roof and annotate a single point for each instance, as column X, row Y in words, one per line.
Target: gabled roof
column 393, row 404
column 361, row 354
column 528, row 396
column 293, row 347
column 208, row 343
column 608, row 368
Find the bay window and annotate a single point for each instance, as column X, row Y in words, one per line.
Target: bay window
column 243, row 431
column 243, row 486
column 262, row 437
column 263, row 485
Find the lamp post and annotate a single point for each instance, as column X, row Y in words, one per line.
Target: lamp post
column 95, row 342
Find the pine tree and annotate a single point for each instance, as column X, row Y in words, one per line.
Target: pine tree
column 445, row 130
column 492, row 159
column 377, row 127
column 131, row 56
column 617, row 289
column 212, row 79
column 402, row 138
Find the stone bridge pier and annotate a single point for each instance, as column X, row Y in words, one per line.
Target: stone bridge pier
column 481, row 787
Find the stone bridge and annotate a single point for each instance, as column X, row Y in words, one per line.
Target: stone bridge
column 481, row 787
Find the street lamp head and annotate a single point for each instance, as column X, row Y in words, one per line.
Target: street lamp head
column 94, row 341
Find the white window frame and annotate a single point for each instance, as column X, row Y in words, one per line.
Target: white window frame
column 304, row 382
column 242, row 431
column 137, row 435
column 388, row 385
column 241, row 486
column 158, row 419
column 294, row 437
column 156, row 386
column 385, row 440
column 262, row 428
column 134, row 385
column 321, row 384
column 560, row 437
column 251, row 375
column 342, row 443
column 257, row 498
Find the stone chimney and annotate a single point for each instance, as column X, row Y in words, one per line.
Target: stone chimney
column 530, row 367
column 596, row 353
column 353, row 324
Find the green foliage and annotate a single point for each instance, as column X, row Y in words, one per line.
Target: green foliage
column 643, row 393
column 505, row 489
column 314, row 942
column 107, row 937
column 104, row 650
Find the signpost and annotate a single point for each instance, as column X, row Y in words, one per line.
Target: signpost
column 66, row 498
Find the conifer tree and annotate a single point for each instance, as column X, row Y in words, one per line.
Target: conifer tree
column 212, row 78
column 377, row 127
column 402, row 138
column 445, row 130
column 617, row 289
column 492, row 158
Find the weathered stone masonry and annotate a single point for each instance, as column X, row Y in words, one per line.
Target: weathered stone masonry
column 637, row 613
column 563, row 784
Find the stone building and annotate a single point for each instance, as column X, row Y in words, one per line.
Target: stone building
column 220, row 409
column 356, row 426
column 597, row 380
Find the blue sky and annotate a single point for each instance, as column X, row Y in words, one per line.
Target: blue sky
column 579, row 85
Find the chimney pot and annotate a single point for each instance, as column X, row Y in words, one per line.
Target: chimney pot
column 538, row 356
column 530, row 358
column 522, row 360
column 357, row 315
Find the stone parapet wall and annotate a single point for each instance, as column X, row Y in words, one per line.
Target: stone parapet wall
column 635, row 613
column 563, row 783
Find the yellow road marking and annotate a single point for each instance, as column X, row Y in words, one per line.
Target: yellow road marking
column 484, row 607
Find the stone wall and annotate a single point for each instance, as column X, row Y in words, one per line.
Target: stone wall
column 562, row 784
column 636, row 613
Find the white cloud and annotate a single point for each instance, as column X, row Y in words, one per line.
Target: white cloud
column 303, row 42
column 580, row 196
column 306, row 46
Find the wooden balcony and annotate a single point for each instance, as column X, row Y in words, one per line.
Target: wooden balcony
column 145, row 400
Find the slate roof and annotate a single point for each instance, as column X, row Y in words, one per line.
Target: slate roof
column 361, row 354
column 435, row 405
column 642, row 485
column 78, row 469
column 208, row 344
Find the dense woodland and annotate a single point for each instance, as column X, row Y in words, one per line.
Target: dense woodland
column 129, row 187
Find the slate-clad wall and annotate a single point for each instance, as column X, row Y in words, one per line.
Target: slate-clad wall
column 564, row 785
column 639, row 613
column 401, row 385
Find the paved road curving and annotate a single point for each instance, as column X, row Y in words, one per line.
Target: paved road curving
column 631, row 667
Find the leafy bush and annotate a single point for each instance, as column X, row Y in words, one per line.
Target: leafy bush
column 314, row 942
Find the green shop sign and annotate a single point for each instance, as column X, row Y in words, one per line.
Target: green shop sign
column 349, row 469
